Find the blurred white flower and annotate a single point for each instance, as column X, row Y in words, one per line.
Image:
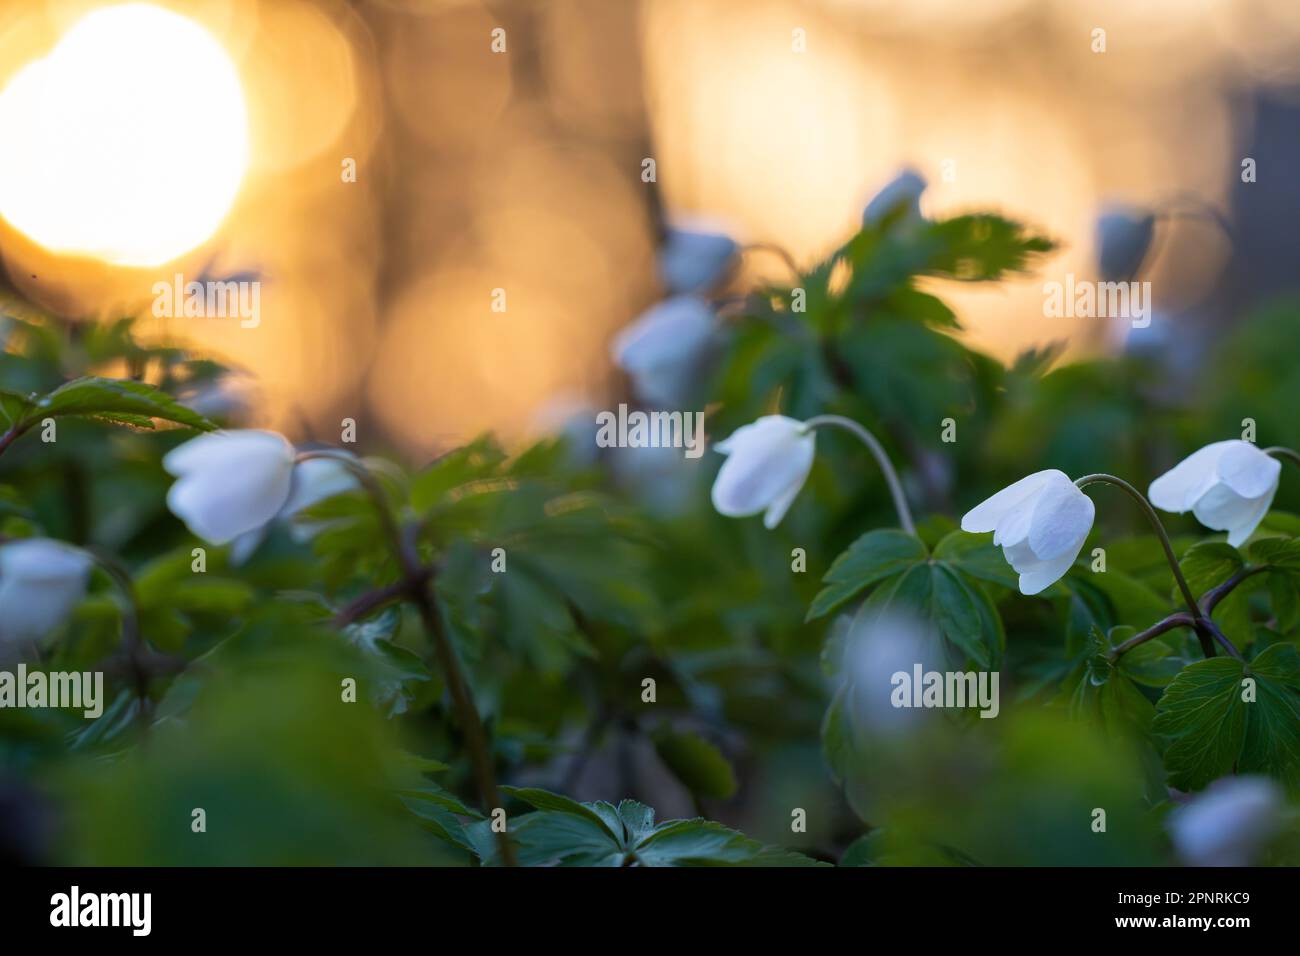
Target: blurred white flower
column 229, row 482
column 665, row 349
column 662, row 479
column 1229, row 823
column 1228, row 485
column 767, row 463
column 692, row 260
column 1123, row 239
column 40, row 581
column 313, row 481
column 903, row 191
column 1040, row 522
column 878, row 645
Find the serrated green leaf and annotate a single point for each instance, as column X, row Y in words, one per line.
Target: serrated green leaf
column 871, row 558
column 123, row 399
column 1208, row 729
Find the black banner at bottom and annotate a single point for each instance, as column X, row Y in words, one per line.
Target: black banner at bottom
column 334, row 906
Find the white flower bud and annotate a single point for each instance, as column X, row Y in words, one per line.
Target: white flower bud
column 1040, row 522
column 1228, row 485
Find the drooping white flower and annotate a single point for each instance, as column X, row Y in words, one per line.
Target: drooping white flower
column 1040, row 522
column 665, row 349
column 1123, row 239
column 40, row 581
column 767, row 463
column 313, row 481
column 1229, row 823
column 229, row 482
column 903, row 191
column 694, row 260
column 1228, row 485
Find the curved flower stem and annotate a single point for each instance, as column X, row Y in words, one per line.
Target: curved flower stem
column 1211, row 598
column 476, row 740
column 11, row 436
column 1216, row 632
column 780, row 251
column 1281, row 451
column 1180, row 619
column 1155, row 524
column 416, row 585
column 877, row 452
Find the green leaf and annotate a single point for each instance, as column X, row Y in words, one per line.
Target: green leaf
column 1208, row 730
column 1277, row 552
column 981, row 247
column 872, row 558
column 698, row 764
column 438, row 796
column 1098, row 689
column 958, row 607
column 557, row 803
column 1208, row 564
column 121, row 400
column 704, row 843
column 569, row 833
column 978, row 557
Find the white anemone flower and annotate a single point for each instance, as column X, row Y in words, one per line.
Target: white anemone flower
column 1123, row 240
column 1040, row 522
column 695, row 260
column 229, row 482
column 665, row 349
column 903, row 191
column 767, row 463
column 1228, row 485
column 1229, row 823
column 40, row 582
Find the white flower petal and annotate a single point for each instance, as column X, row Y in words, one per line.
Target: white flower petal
column 1062, row 519
column 904, row 190
column 314, row 480
column 40, row 581
column 1046, row 573
column 694, row 261
column 1178, row 489
column 1223, row 509
column 1247, row 470
column 664, row 349
column 986, row 515
column 229, row 483
column 1229, row 822
column 781, row 504
column 767, row 465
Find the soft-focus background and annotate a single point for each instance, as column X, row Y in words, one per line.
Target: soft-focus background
column 521, row 171
column 517, row 176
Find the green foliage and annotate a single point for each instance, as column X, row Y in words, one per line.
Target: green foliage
column 568, row 833
column 1212, row 722
column 559, row 584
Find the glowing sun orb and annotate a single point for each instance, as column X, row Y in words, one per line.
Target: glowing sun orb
column 128, row 142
